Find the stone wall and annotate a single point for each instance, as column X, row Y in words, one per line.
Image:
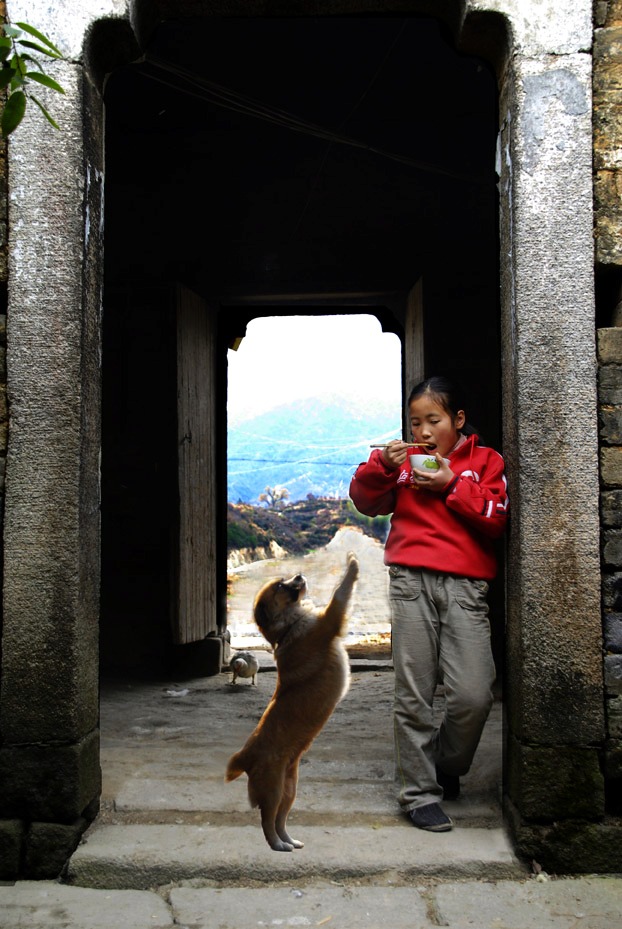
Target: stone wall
column 4, row 414
column 610, row 420
column 607, row 87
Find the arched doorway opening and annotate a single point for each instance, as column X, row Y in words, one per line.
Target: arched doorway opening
column 306, row 396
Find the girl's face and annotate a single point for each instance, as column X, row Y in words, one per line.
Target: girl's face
column 430, row 422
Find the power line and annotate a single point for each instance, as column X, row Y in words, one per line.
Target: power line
column 216, row 94
column 312, row 461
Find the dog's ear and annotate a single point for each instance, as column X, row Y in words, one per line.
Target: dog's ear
column 261, row 615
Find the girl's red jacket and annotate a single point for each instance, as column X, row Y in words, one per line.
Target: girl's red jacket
column 451, row 532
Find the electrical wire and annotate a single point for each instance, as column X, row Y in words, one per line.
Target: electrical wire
column 282, row 461
column 211, row 92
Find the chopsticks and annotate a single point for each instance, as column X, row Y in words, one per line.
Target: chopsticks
column 411, row 444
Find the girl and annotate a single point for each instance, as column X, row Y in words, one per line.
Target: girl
column 440, row 553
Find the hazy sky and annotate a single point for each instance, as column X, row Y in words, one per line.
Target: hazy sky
column 289, row 357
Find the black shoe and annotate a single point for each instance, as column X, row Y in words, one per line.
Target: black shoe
column 450, row 784
column 430, row 817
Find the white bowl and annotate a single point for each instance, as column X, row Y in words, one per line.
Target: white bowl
column 425, row 462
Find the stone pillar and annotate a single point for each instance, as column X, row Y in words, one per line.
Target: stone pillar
column 555, row 728
column 49, row 758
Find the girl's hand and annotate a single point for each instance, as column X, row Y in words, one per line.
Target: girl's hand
column 436, row 481
column 394, row 454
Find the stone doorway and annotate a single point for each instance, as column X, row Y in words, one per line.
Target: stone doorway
column 51, row 536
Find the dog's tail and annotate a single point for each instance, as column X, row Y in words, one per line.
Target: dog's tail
column 235, row 767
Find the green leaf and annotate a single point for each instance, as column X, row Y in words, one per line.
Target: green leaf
column 27, row 57
column 5, row 51
column 18, row 63
column 5, row 43
column 10, row 31
column 45, row 80
column 38, row 48
column 42, row 38
column 45, row 112
column 6, row 75
column 13, row 113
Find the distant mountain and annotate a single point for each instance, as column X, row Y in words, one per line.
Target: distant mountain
column 312, row 446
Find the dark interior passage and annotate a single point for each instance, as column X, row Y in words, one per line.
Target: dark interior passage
column 271, row 164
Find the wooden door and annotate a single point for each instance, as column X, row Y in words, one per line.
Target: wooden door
column 195, row 599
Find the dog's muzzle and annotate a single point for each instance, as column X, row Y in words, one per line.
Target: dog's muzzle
column 296, row 586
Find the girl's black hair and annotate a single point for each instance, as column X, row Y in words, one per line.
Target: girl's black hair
column 446, row 395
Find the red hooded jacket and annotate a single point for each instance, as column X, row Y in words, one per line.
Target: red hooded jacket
column 451, row 532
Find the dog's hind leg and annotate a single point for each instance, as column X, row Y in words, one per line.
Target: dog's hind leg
column 287, row 801
column 267, row 794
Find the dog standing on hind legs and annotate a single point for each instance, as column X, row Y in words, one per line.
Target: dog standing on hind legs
column 313, row 674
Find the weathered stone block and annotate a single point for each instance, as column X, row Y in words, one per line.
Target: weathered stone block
column 611, row 508
column 608, row 217
column 608, row 12
column 49, row 783
column 612, row 547
column 571, row 847
column 609, row 344
column 607, row 89
column 611, row 466
column 613, row 674
column 600, row 13
column 556, row 783
column 610, row 424
column 11, row 837
column 613, row 714
column 612, row 630
column 612, row 592
column 610, row 381
column 49, row 846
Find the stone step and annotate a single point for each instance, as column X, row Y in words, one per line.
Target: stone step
column 168, row 818
column 140, row 857
column 341, row 795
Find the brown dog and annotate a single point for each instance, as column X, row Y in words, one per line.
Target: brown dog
column 313, row 675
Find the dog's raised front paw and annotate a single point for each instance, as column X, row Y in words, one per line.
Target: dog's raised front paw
column 353, row 565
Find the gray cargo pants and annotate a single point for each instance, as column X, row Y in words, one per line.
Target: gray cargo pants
column 439, row 632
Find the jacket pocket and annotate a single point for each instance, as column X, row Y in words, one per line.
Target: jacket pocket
column 404, row 583
column 471, row 594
